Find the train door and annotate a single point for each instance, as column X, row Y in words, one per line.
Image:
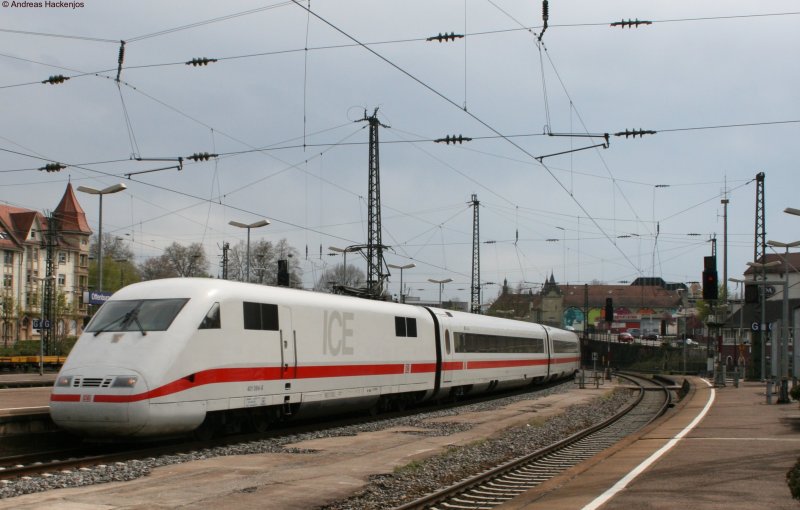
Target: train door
column 288, row 344
column 447, row 364
column 548, row 347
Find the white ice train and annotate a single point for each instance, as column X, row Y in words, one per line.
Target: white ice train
column 180, row 355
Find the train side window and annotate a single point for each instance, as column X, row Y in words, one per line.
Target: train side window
column 269, row 317
column 260, row 316
column 400, row 326
column 447, row 340
column 405, row 326
column 212, row 319
column 411, row 327
column 252, row 315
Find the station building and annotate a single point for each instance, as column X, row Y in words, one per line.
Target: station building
column 23, row 242
column 648, row 304
column 748, row 315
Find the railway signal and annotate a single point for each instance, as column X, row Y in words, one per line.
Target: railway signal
column 710, row 285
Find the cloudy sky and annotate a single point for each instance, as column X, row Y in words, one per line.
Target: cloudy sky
column 717, row 81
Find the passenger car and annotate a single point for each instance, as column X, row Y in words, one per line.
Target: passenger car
column 201, row 355
column 625, row 337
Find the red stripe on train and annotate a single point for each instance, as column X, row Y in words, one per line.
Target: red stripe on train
column 232, row 375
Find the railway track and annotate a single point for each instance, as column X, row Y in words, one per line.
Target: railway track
column 500, row 484
column 43, row 463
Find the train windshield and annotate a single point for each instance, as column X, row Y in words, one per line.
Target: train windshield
column 136, row 315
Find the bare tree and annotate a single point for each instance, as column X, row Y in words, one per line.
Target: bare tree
column 156, row 268
column 113, row 248
column 177, row 260
column 187, row 260
column 337, row 276
column 264, row 257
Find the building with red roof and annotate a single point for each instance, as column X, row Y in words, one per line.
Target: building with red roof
column 23, row 241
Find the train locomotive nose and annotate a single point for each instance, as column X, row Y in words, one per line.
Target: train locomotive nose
column 100, row 405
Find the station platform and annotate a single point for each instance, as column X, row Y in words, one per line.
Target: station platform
column 719, row 448
column 24, row 410
column 30, row 379
column 15, row 401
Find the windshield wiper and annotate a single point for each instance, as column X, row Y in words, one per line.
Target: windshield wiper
column 123, row 318
column 133, row 315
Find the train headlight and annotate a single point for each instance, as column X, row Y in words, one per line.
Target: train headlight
column 128, row 381
column 64, row 381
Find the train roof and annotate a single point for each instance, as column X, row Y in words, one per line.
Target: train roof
column 212, row 288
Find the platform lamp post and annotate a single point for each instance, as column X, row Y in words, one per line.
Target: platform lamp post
column 115, row 188
column 783, row 395
column 441, row 284
column 404, row 266
column 248, row 226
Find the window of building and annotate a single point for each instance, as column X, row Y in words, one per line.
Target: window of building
column 84, row 260
column 260, row 316
column 33, row 234
column 405, row 326
column 62, row 279
column 8, row 281
column 62, row 257
column 8, row 257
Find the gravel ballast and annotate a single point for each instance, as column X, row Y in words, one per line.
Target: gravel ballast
column 385, row 490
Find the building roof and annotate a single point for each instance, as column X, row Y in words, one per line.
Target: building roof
column 70, row 213
column 793, row 258
column 628, row 296
column 515, row 305
column 623, row 296
column 16, row 223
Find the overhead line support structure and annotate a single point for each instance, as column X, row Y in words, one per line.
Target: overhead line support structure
column 759, row 254
column 475, row 294
column 375, row 274
column 49, row 243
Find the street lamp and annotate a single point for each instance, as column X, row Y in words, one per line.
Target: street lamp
column 441, row 284
column 406, row 266
column 105, row 191
column 248, row 226
column 792, row 210
column 783, row 396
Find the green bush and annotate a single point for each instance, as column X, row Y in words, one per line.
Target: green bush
column 795, row 392
column 26, row 348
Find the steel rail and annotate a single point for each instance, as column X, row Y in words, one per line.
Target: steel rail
column 487, row 495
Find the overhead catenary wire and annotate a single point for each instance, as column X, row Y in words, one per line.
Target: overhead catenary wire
column 309, row 15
